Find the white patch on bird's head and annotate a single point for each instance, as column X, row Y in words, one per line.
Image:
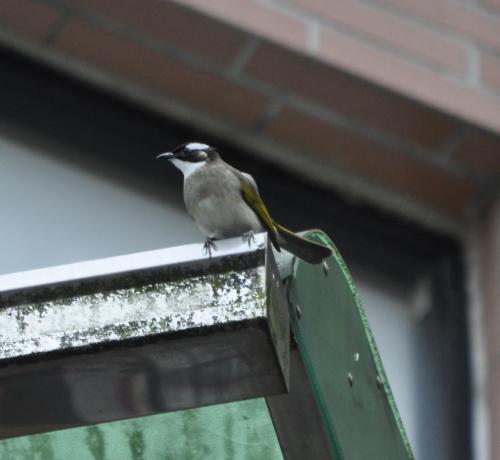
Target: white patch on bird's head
column 187, row 167
column 196, row 146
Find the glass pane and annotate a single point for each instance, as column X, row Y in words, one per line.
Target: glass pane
column 242, row 431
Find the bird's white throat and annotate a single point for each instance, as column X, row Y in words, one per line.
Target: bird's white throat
column 187, row 167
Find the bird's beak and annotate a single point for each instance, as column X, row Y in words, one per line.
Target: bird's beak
column 165, row 156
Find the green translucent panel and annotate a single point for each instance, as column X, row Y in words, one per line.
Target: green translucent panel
column 343, row 363
column 242, row 431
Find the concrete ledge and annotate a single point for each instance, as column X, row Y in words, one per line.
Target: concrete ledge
column 140, row 334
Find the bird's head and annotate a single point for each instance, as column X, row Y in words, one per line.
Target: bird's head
column 190, row 156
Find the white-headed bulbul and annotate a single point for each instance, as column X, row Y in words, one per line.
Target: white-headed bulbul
column 225, row 203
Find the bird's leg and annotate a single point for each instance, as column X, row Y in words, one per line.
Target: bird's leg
column 248, row 237
column 209, row 246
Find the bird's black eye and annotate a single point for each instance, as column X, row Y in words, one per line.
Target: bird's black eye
column 192, row 152
column 195, row 156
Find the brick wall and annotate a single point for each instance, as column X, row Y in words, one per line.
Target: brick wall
column 371, row 96
column 411, row 45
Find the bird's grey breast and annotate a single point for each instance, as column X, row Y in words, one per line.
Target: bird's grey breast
column 213, row 198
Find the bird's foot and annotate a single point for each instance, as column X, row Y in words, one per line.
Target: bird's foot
column 249, row 238
column 209, row 246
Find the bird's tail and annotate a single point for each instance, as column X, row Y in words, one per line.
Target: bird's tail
column 308, row 251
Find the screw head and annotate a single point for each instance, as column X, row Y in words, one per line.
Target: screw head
column 350, row 379
column 356, row 357
column 326, row 267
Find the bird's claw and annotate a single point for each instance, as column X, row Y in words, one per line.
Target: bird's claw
column 208, row 246
column 249, row 238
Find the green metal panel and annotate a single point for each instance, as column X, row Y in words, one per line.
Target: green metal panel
column 239, row 431
column 343, row 363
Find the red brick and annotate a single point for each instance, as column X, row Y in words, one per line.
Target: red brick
column 409, row 79
column 166, row 21
column 373, row 161
column 490, row 69
column 351, row 96
column 480, row 150
column 466, row 19
column 406, row 36
column 150, row 69
column 364, row 61
column 257, row 18
column 33, row 20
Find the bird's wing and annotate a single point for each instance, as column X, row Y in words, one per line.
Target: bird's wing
column 250, row 194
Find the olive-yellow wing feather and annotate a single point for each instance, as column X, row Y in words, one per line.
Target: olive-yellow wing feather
column 250, row 194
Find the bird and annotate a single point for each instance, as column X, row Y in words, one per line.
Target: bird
column 225, row 203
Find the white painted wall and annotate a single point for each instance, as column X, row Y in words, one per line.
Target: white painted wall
column 410, row 358
column 53, row 212
column 391, row 323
